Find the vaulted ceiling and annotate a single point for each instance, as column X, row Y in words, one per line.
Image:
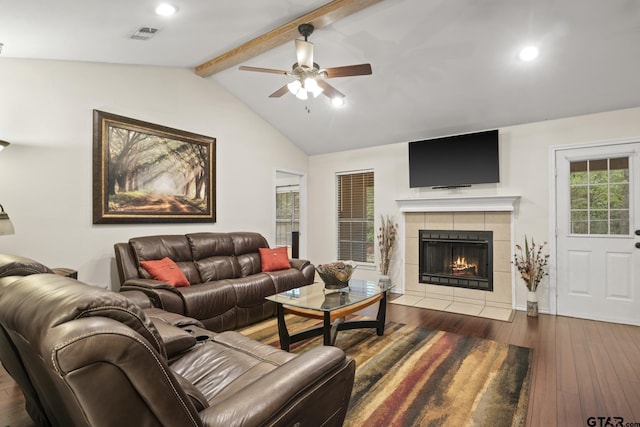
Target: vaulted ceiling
column 440, row 67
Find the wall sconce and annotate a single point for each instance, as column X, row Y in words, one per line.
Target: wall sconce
column 6, row 227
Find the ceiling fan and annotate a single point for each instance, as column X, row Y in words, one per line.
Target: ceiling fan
column 309, row 77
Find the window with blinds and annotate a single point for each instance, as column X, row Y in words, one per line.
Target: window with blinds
column 355, row 217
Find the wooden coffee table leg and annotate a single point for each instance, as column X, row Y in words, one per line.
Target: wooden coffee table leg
column 285, row 341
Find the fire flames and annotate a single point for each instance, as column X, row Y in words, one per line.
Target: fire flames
column 461, row 266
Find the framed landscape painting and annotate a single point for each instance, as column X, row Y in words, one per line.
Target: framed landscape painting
column 147, row 173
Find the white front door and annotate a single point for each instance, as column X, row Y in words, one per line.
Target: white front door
column 598, row 214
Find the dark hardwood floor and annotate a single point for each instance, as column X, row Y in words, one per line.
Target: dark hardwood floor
column 581, row 368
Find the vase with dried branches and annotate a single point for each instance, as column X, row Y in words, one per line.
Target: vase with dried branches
column 531, row 263
column 387, row 234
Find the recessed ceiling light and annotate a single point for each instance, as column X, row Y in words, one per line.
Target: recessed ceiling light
column 166, row 9
column 337, row 101
column 529, row 53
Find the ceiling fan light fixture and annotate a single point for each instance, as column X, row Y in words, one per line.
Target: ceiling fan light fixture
column 317, row 91
column 302, row 94
column 311, row 85
column 294, row 86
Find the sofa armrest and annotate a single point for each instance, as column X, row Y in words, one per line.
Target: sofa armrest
column 174, row 319
column 312, row 389
column 308, row 270
column 298, row 264
column 175, row 339
column 161, row 294
column 148, row 283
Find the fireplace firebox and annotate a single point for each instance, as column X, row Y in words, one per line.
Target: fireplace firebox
column 461, row 259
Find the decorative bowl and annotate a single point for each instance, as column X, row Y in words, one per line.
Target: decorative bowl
column 336, row 275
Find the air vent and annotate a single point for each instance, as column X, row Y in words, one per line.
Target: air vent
column 144, row 33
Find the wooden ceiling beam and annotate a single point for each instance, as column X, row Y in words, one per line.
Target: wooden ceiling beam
column 320, row 17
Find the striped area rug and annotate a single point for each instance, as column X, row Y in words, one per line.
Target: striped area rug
column 418, row 377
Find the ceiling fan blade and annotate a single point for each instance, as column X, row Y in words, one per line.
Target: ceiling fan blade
column 263, row 70
column 328, row 90
column 304, row 53
column 277, row 94
column 349, row 70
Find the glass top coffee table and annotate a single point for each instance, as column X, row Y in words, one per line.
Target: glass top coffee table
column 331, row 306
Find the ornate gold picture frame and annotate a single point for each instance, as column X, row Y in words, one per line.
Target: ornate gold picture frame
column 147, row 173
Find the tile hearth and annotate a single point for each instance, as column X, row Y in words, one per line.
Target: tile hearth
column 478, row 310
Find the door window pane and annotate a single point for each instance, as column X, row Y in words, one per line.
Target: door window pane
column 620, row 222
column 578, row 173
column 619, row 196
column 599, row 191
column 598, row 172
column 579, row 197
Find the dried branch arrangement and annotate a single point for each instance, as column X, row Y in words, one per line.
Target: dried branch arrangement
column 386, row 241
column 531, row 263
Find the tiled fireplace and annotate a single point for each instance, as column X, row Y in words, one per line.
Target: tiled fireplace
column 473, row 219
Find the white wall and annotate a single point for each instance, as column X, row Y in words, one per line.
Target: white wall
column 46, row 173
column 524, row 170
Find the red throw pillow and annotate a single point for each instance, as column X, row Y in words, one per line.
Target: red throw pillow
column 166, row 271
column 274, row 259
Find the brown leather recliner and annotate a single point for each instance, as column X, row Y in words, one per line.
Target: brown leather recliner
column 228, row 285
column 94, row 358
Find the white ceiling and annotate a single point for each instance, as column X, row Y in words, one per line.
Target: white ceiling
column 440, row 67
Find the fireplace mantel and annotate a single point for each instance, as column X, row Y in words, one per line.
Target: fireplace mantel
column 459, row 204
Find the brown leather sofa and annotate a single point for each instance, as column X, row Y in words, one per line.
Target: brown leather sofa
column 85, row 356
column 228, row 286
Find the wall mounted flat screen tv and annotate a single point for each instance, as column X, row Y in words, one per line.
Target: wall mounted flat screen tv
column 455, row 161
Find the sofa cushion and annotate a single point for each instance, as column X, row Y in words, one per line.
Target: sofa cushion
column 245, row 246
column 175, row 247
column 218, row 268
column 208, row 299
column 274, row 259
column 250, row 264
column 205, row 245
column 166, row 271
column 252, row 290
column 243, row 360
column 246, row 242
column 214, row 256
